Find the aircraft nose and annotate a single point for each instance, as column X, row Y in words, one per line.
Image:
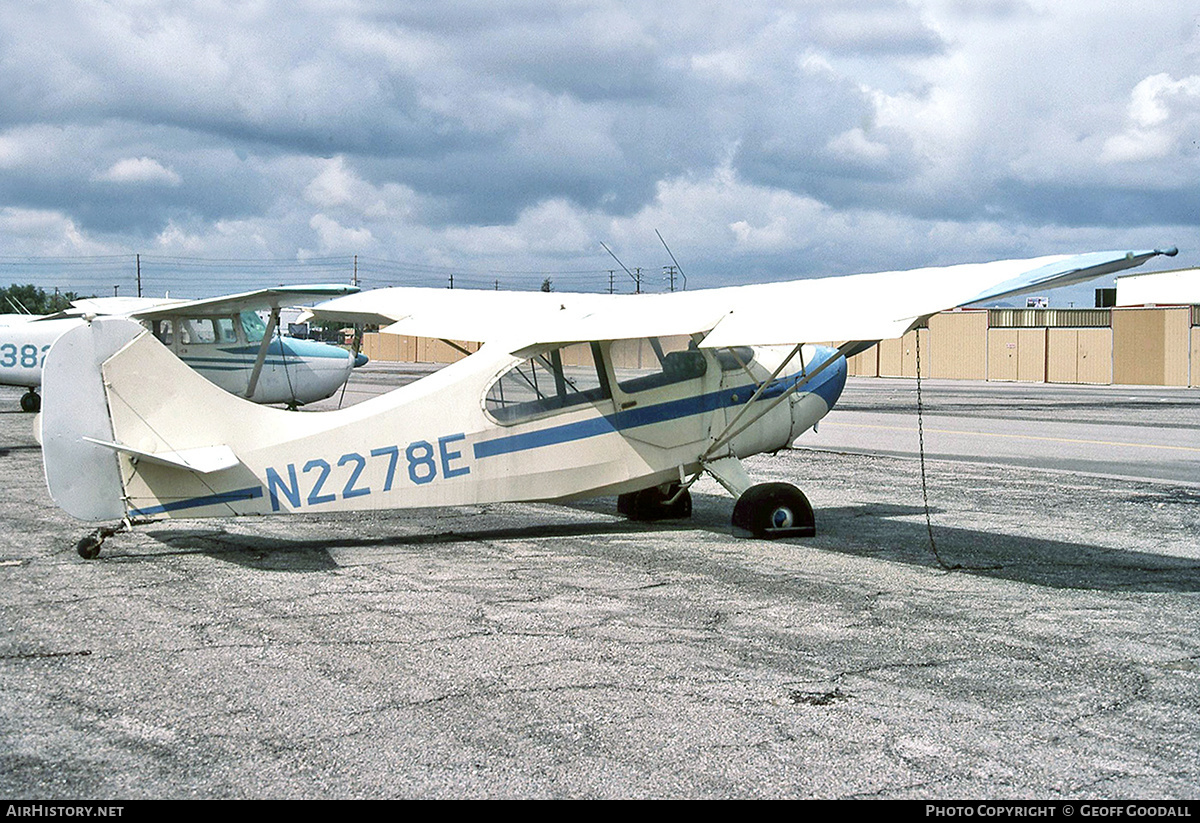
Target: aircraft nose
column 831, row 381
column 326, row 368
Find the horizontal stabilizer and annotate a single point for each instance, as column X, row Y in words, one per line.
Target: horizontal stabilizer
column 205, row 460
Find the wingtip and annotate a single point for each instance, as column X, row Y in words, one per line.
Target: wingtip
column 1171, row 252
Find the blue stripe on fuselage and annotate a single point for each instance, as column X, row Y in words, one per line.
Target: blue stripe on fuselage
column 827, row 385
column 288, row 347
column 196, row 502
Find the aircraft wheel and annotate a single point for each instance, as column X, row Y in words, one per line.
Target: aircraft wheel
column 89, row 547
column 651, row 504
column 773, row 510
column 31, row 401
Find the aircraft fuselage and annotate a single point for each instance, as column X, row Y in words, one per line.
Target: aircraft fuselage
column 588, row 420
column 222, row 349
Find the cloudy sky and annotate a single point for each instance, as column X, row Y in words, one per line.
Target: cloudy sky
column 230, row 142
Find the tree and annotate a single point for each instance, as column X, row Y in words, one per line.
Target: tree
column 29, row 299
column 547, row 285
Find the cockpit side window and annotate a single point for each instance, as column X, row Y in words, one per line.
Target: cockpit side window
column 560, row 379
column 654, row 361
column 164, row 330
column 197, row 331
column 226, row 332
column 735, row 357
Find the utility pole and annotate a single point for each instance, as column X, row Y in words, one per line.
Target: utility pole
column 637, row 279
column 115, row 290
column 673, row 260
column 138, row 259
column 354, row 282
column 611, row 286
column 451, row 281
column 670, row 270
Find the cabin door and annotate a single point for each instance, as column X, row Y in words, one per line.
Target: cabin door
column 664, row 390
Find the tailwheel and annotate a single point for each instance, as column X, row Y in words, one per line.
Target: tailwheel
column 656, row 503
column 31, row 401
column 89, row 546
column 773, row 510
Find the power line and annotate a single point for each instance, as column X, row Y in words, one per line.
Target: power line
column 185, row 276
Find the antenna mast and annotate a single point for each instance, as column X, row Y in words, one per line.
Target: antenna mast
column 673, row 260
column 637, row 280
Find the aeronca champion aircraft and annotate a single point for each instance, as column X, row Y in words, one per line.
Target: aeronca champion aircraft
column 571, row 396
column 222, row 338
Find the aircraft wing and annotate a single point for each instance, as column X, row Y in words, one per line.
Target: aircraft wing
column 460, row 314
column 273, row 298
column 105, row 306
column 885, row 305
column 861, row 307
column 153, row 308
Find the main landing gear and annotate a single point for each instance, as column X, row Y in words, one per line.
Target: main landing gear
column 31, row 401
column 669, row 502
column 765, row 510
column 773, row 510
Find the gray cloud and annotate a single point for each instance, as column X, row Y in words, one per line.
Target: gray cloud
column 770, row 137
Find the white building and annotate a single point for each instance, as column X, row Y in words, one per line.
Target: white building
column 1159, row 288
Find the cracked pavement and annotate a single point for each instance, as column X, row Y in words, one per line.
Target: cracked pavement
column 561, row 651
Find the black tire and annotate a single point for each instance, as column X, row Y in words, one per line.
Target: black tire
column 773, row 510
column 31, row 401
column 651, row 504
column 89, row 547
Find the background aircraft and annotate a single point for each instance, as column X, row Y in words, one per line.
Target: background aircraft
column 571, row 396
column 222, row 338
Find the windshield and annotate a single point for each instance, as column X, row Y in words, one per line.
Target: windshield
column 254, row 327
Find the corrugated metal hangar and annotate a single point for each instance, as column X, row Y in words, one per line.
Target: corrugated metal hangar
column 1152, row 337
column 1158, row 346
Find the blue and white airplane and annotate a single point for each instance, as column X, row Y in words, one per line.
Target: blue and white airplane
column 571, row 396
column 222, row 338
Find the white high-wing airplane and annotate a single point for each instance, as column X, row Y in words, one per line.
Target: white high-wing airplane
column 222, row 338
column 572, row 396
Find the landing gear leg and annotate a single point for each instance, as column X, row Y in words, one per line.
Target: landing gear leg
column 31, row 401
column 656, row 503
column 773, row 510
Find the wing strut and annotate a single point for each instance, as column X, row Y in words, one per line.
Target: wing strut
column 732, row 429
column 456, row 347
column 727, row 469
column 272, row 324
column 725, row 437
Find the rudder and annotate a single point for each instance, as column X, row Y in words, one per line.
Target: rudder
column 83, row 478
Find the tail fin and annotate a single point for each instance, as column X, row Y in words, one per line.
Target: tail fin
column 129, row 430
column 84, row 478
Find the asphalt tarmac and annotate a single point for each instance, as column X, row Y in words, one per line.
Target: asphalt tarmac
column 1045, row 645
column 1134, row 432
